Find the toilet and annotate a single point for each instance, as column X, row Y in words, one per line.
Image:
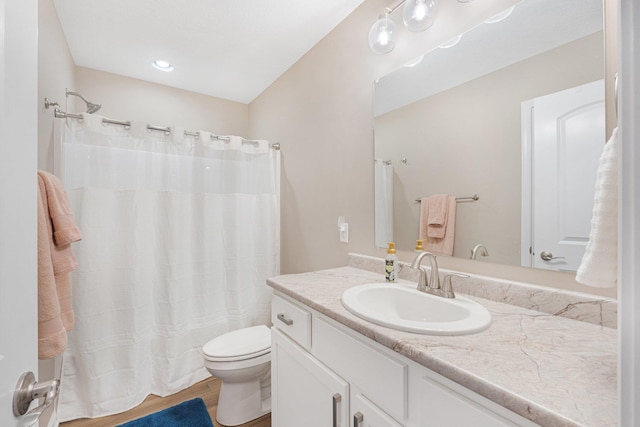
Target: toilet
column 241, row 359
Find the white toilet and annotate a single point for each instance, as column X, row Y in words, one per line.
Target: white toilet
column 242, row 361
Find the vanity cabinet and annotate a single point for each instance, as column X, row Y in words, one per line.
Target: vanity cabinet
column 325, row 374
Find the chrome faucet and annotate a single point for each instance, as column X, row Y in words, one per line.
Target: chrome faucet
column 432, row 286
column 425, row 285
column 479, row 249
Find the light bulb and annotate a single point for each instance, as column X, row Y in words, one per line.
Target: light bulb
column 162, row 65
column 381, row 36
column 418, row 15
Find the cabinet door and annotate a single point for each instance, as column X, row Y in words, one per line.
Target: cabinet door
column 304, row 391
column 365, row 414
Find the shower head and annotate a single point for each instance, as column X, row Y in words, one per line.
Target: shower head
column 91, row 107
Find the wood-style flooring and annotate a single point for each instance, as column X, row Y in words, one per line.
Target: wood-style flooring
column 208, row 390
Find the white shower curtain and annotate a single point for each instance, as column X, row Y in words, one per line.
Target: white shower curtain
column 179, row 236
column 383, row 171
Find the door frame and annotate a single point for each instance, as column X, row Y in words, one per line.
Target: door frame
column 629, row 204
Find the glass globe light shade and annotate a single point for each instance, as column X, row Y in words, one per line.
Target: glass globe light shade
column 381, row 36
column 418, row 15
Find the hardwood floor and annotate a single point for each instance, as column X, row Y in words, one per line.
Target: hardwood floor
column 208, row 390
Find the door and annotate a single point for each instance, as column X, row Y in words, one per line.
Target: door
column 18, row 147
column 567, row 138
column 304, row 391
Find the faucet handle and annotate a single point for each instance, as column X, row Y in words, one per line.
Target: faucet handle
column 423, row 282
column 447, row 287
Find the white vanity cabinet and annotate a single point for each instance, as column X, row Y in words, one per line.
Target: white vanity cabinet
column 325, row 374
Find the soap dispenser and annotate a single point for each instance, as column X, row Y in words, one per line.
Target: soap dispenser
column 391, row 263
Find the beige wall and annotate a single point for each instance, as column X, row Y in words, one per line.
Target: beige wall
column 466, row 141
column 56, row 71
column 125, row 98
column 320, row 111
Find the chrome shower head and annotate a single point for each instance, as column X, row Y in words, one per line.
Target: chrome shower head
column 91, row 107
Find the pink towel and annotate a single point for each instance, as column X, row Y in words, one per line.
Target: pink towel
column 56, row 230
column 437, row 215
column 443, row 245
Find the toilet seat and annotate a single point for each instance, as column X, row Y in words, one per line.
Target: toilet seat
column 237, row 345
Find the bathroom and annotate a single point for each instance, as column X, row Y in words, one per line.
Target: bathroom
column 326, row 169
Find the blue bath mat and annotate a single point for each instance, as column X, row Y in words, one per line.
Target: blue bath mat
column 192, row 413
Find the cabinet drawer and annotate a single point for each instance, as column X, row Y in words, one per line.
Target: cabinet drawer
column 292, row 320
column 380, row 377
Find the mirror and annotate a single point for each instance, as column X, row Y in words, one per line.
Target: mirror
column 454, row 124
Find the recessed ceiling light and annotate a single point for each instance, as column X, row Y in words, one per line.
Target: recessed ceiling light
column 162, row 65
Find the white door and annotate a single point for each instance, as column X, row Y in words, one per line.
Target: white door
column 304, row 392
column 567, row 141
column 18, row 147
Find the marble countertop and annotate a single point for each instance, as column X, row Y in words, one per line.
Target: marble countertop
column 552, row 370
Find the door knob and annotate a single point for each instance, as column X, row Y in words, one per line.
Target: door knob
column 548, row 256
column 28, row 390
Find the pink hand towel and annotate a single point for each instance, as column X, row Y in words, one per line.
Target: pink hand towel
column 438, row 246
column 55, row 261
column 437, row 216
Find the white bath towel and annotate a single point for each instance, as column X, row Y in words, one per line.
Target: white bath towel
column 599, row 265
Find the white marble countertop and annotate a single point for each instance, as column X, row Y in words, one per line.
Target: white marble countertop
column 549, row 369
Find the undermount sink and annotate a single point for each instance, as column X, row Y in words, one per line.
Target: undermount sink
column 402, row 307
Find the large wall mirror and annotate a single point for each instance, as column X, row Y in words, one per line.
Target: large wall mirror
column 466, row 119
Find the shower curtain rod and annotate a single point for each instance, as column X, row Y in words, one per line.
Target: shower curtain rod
column 59, row 114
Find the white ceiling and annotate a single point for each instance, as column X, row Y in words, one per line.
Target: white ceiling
column 232, row 49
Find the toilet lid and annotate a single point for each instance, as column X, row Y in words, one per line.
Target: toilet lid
column 243, row 343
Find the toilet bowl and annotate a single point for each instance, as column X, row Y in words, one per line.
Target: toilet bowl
column 242, row 361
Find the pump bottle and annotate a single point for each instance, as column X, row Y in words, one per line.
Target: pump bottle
column 391, row 263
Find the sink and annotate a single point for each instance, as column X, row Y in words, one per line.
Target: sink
column 402, row 307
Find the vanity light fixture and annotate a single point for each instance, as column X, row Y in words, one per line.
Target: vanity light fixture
column 161, row 65
column 417, row 15
column 381, row 37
